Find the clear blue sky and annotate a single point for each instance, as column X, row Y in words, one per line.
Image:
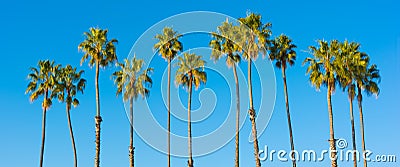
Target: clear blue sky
column 35, row 30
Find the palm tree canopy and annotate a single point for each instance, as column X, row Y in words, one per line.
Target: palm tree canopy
column 132, row 80
column 282, row 51
column 168, row 44
column 224, row 43
column 70, row 82
column 98, row 48
column 42, row 82
column 191, row 68
column 323, row 66
column 255, row 36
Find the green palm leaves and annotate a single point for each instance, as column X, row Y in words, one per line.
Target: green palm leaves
column 70, row 82
column 168, row 44
column 190, row 71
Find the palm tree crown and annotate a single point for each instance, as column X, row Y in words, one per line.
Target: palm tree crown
column 282, row 51
column 69, row 83
column 168, row 45
column 224, row 43
column 191, row 68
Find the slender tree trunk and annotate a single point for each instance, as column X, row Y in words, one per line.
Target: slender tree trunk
column 252, row 114
column 190, row 161
column 353, row 132
column 237, row 116
column 288, row 115
column 331, row 131
column 98, row 118
column 43, row 130
column 71, row 133
column 359, row 98
column 131, row 148
column 169, row 113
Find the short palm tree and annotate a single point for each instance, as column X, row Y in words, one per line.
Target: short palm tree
column 70, row 82
column 132, row 81
column 367, row 81
column 190, row 72
column 101, row 52
column 42, row 83
column 322, row 71
column 223, row 45
column 168, row 47
column 254, row 40
column 354, row 62
column 282, row 52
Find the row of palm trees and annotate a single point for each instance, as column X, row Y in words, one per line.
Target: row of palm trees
column 333, row 64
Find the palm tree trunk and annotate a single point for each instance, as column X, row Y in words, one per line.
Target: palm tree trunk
column 252, row 114
column 359, row 98
column 131, row 148
column 169, row 113
column 331, row 131
column 237, row 116
column 190, row 161
column 288, row 115
column 43, row 131
column 353, row 132
column 71, row 133
column 97, row 118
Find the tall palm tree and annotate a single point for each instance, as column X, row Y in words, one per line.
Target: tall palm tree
column 132, row 82
column 101, row 52
column 367, row 81
column 42, row 83
column 69, row 83
column 254, row 41
column 223, row 45
column 282, row 52
column 354, row 62
column 168, row 46
column 322, row 70
column 190, row 72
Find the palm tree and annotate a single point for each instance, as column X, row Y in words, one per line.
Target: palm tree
column 254, row 41
column 354, row 62
column 168, row 46
column 322, row 70
column 282, row 52
column 223, row 44
column 367, row 81
column 132, row 82
column 190, row 72
column 101, row 52
column 69, row 83
column 42, row 83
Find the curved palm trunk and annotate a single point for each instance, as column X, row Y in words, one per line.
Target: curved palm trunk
column 359, row 98
column 97, row 118
column 190, row 161
column 43, row 132
column 288, row 116
column 71, row 133
column 353, row 132
column 131, row 148
column 169, row 113
column 237, row 116
column 252, row 114
column 331, row 131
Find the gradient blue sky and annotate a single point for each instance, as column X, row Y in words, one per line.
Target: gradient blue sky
column 35, row 30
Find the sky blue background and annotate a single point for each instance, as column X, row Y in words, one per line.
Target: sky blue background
column 35, row 30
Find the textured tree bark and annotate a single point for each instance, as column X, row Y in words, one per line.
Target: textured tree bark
column 98, row 118
column 169, row 113
column 253, row 116
column 190, row 161
column 237, row 116
column 131, row 148
column 331, row 130
column 359, row 98
column 71, row 133
column 43, row 131
column 353, row 132
column 288, row 116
